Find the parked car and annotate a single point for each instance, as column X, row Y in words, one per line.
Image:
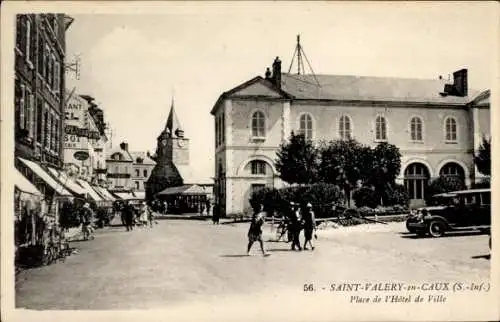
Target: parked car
column 470, row 209
column 437, row 202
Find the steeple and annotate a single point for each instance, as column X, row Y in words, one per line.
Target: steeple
column 173, row 125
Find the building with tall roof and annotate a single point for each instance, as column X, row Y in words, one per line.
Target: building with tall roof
column 172, row 167
column 437, row 125
column 142, row 166
column 119, row 163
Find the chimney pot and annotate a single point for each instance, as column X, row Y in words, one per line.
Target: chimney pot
column 124, row 146
column 268, row 73
column 277, row 72
column 460, row 82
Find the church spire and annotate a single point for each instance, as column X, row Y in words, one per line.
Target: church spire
column 173, row 125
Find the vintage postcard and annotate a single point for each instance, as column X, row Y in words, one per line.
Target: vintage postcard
column 249, row 161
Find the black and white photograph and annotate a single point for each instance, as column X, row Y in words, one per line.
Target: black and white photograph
column 249, row 161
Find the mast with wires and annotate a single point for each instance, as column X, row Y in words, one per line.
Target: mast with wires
column 300, row 54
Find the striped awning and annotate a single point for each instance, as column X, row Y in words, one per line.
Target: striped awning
column 42, row 174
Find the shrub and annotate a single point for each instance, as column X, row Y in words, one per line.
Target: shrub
column 483, row 184
column 320, row 195
column 366, row 197
column 397, row 196
column 443, row 184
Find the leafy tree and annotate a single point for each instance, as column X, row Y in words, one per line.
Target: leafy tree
column 384, row 168
column 343, row 162
column 297, row 160
column 483, row 157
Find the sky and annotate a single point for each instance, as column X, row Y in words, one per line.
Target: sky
column 135, row 63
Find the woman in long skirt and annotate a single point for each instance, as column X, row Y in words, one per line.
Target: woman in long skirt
column 255, row 231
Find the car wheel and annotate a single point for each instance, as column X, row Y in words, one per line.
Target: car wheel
column 437, row 229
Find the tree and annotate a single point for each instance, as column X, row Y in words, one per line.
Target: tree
column 443, row 184
column 343, row 162
column 385, row 167
column 297, row 160
column 483, row 157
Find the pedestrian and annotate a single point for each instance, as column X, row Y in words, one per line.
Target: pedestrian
column 207, row 206
column 128, row 214
column 295, row 225
column 86, row 218
column 216, row 214
column 309, row 222
column 255, row 230
column 144, row 214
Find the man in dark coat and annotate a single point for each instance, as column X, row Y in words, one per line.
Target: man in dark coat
column 309, row 222
column 295, row 225
column 128, row 215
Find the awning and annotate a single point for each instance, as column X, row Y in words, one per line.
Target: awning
column 68, row 182
column 127, row 196
column 24, row 184
column 89, row 190
column 58, row 188
column 105, row 193
column 140, row 194
column 191, row 190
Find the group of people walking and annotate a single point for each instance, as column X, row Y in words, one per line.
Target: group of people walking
column 131, row 216
column 294, row 220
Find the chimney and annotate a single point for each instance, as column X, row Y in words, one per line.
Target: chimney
column 460, row 82
column 124, row 146
column 277, row 72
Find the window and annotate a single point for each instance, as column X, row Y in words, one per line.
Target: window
column 258, row 124
column 39, row 121
column 116, row 169
column 28, row 40
column 29, row 112
column 380, row 129
column 137, row 172
column 47, row 128
column 41, row 46
column 345, row 128
column 22, row 116
column 416, row 129
column 53, row 142
column 145, row 172
column 257, row 187
column 137, row 185
column 56, row 27
column 258, row 167
column 45, row 61
column 50, row 72
column 57, row 77
column 450, row 129
column 416, row 177
column 305, row 126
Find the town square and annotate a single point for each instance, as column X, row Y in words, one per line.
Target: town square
column 254, row 162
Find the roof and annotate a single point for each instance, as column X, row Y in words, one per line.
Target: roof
column 173, row 123
column 462, row 192
column 369, row 88
column 351, row 88
column 189, row 177
column 190, row 189
column 126, row 155
column 483, row 99
column 139, row 154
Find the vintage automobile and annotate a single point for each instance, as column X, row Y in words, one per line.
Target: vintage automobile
column 437, row 202
column 470, row 209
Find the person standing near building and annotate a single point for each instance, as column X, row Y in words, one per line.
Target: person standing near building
column 295, row 225
column 86, row 219
column 309, row 222
column 255, row 231
column 207, row 206
column 144, row 214
column 216, row 213
column 128, row 214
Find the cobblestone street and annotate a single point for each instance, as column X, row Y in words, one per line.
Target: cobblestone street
column 181, row 262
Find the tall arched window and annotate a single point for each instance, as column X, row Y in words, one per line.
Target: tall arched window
column 258, row 124
column 452, row 169
column 345, row 128
column 450, row 128
column 380, row 129
column 416, row 129
column 306, row 126
column 416, row 176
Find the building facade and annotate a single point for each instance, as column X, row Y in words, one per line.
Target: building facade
column 142, row 167
column 39, row 86
column 437, row 126
column 119, row 163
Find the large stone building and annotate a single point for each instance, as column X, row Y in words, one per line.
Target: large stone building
column 119, row 163
column 437, row 125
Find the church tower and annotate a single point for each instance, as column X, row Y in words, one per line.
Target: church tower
column 172, row 152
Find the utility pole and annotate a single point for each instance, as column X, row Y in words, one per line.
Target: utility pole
column 300, row 53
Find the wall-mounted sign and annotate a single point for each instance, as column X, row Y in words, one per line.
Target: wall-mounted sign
column 81, row 155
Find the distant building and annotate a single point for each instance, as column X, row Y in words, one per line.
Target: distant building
column 436, row 125
column 172, row 167
column 142, row 167
column 119, row 163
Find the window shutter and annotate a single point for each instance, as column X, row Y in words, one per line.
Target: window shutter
column 31, row 119
column 28, row 39
column 48, row 130
column 22, row 107
column 57, row 75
